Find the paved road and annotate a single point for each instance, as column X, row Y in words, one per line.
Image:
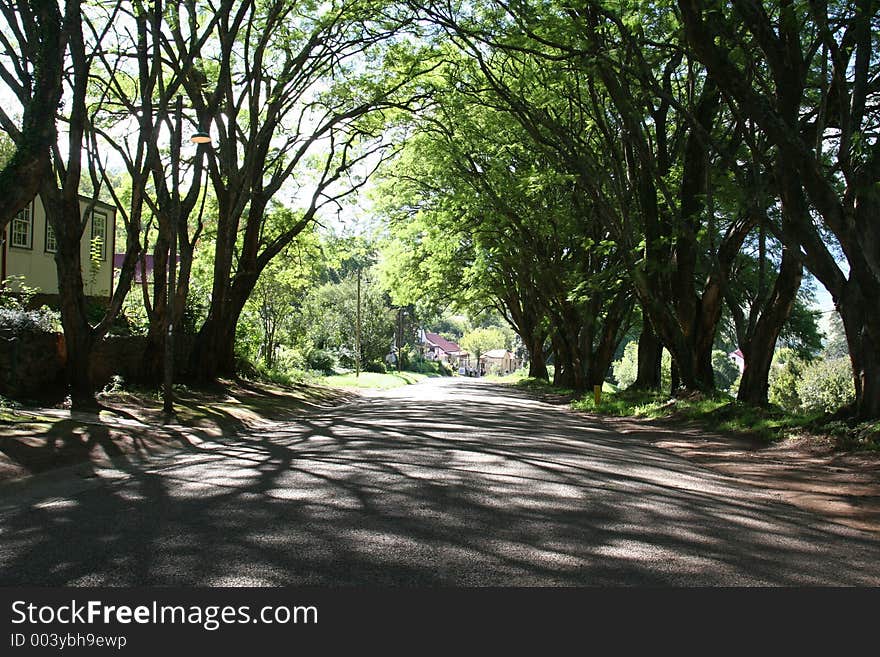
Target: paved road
column 450, row 482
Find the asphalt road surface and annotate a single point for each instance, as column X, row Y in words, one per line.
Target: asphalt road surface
column 451, row 482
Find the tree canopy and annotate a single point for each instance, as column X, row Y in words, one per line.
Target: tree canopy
column 678, row 174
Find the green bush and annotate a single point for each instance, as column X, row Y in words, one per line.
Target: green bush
column 321, row 359
column 21, row 298
column 375, row 366
column 495, row 370
column 19, row 321
column 826, row 385
column 422, row 366
column 785, row 372
column 626, row 369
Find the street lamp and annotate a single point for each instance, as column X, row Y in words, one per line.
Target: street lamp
column 200, row 137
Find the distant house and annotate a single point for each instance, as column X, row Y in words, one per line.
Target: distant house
column 502, row 359
column 738, row 359
column 29, row 246
column 436, row 347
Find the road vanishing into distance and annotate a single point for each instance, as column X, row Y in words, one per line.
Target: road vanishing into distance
column 451, row 482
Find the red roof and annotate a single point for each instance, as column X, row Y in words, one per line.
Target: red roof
column 443, row 343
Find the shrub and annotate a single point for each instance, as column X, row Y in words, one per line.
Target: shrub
column 321, row 359
column 115, row 385
column 784, row 375
column 625, row 370
column 375, row 366
column 18, row 321
column 826, row 385
column 423, row 366
column 19, row 299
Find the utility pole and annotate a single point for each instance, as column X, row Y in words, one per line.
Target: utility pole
column 400, row 339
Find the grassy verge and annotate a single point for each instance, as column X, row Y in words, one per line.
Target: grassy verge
column 721, row 413
column 715, row 413
column 513, row 377
column 542, row 386
column 373, row 380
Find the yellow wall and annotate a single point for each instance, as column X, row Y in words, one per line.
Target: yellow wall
column 38, row 266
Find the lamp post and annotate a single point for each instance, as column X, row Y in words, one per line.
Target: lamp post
column 200, row 137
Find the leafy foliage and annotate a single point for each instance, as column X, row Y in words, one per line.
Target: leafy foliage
column 826, row 385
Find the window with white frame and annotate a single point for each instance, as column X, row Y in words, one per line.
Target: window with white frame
column 99, row 232
column 21, row 233
column 51, row 242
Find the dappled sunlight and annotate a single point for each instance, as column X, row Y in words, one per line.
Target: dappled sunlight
column 445, row 483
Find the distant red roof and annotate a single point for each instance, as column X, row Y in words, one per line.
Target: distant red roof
column 443, row 343
column 139, row 275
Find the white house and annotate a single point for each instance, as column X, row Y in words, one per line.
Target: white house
column 28, row 248
column 436, row 347
column 738, row 359
column 503, row 360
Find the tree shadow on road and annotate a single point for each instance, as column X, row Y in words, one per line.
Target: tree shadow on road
column 479, row 487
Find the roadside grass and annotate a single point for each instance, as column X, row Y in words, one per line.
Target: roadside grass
column 540, row 385
column 714, row 413
column 513, row 377
column 373, row 380
column 864, row 436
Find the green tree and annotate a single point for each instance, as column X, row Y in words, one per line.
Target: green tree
column 481, row 340
column 625, row 369
column 726, row 371
column 787, row 370
column 279, row 294
column 35, row 39
column 797, row 70
column 826, row 385
column 835, row 345
column 289, row 94
column 328, row 320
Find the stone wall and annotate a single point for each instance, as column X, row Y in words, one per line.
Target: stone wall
column 32, row 364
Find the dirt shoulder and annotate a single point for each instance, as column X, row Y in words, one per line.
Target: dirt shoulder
column 806, row 471
column 129, row 427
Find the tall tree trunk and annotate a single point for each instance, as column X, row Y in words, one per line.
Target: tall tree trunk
column 563, row 370
column 649, row 359
column 758, row 349
column 63, row 211
column 864, row 349
column 868, row 369
column 537, row 364
column 615, row 321
column 214, row 353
